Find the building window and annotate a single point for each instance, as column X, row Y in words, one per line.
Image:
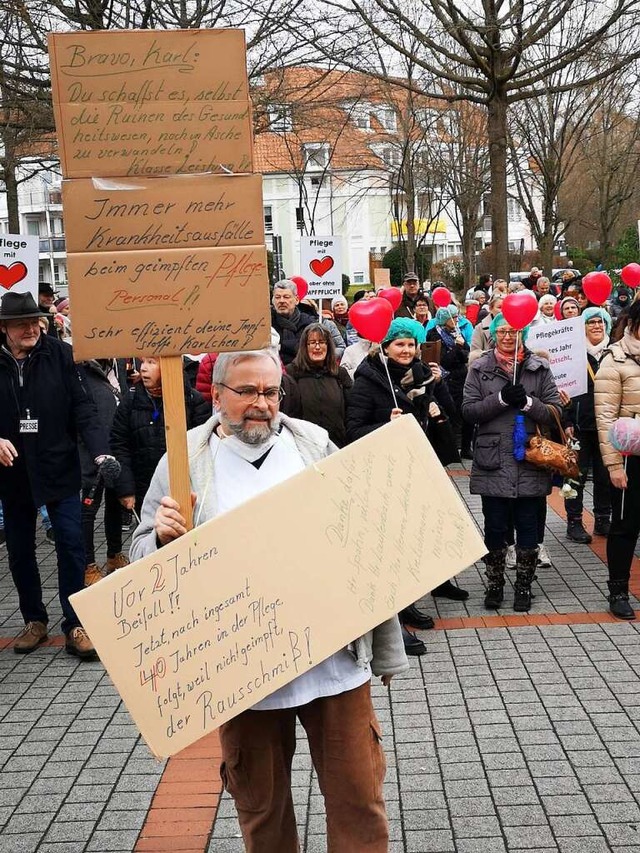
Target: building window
column 387, row 117
column 360, row 115
column 33, row 227
column 358, row 278
column 280, row 119
column 59, row 274
column 390, row 155
column 316, row 155
column 268, row 219
column 300, row 218
column 316, row 181
column 514, row 211
column 428, row 118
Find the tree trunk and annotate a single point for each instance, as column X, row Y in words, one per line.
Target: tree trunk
column 410, row 213
column 11, row 186
column 469, row 248
column 497, row 133
column 545, row 247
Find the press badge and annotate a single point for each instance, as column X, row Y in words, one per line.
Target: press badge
column 28, row 424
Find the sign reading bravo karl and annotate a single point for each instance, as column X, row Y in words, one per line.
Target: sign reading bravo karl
column 321, row 266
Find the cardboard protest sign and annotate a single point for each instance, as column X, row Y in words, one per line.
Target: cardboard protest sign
column 183, row 211
column 19, row 255
column 321, row 265
column 143, row 103
column 207, row 626
column 164, row 303
column 381, row 277
column 566, row 344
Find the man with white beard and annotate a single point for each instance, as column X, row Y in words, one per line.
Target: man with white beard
column 244, row 449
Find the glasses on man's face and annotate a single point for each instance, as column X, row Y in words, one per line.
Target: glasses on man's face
column 595, row 322
column 250, row 395
column 316, row 344
column 507, row 333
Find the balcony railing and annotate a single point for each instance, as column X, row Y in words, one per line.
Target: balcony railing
column 53, row 244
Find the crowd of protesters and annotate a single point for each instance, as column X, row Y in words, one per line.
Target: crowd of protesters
column 464, row 395
column 76, row 438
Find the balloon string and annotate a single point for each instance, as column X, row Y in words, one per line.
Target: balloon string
column 386, row 367
column 515, row 360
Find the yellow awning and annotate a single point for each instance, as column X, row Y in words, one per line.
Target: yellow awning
column 421, row 226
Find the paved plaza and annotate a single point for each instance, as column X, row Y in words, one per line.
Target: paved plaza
column 513, row 733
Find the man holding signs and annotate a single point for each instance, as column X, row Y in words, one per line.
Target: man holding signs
column 245, row 449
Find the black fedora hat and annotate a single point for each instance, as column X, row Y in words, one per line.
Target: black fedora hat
column 19, row 306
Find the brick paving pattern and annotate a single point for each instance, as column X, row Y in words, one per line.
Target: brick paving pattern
column 513, row 733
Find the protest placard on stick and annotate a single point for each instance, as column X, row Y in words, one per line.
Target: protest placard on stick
column 183, row 211
column 208, row 625
column 566, row 345
column 147, row 104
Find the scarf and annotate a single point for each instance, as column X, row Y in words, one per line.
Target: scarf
column 447, row 338
column 596, row 350
column 413, row 380
column 507, row 362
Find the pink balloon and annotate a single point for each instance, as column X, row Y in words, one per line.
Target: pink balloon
column 371, row 318
column 301, row 284
column 631, row 275
column 518, row 309
column 556, row 311
column 597, row 287
column 393, row 295
column 441, row 297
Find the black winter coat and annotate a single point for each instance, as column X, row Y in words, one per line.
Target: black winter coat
column 138, row 440
column 49, row 386
column 454, row 360
column 106, row 398
column 369, row 402
column 323, row 400
column 290, row 331
column 582, row 412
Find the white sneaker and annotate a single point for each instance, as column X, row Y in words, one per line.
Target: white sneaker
column 510, row 561
column 544, row 561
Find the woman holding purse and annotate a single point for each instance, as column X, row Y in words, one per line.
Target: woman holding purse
column 506, row 381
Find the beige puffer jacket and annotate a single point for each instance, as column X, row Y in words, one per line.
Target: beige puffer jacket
column 617, row 395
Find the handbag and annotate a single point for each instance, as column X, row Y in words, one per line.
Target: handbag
column 554, row 456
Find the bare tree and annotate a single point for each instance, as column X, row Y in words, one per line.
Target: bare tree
column 485, row 50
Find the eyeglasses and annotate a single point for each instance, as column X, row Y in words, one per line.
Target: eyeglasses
column 316, row 344
column 504, row 333
column 595, row 322
column 251, row 395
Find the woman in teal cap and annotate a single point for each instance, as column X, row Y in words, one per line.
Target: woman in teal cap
column 371, row 404
column 582, row 417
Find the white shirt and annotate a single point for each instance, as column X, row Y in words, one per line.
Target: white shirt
column 237, row 480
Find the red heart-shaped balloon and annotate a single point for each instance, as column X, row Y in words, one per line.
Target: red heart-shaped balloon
column 12, row 275
column 393, row 295
column 301, row 284
column 519, row 309
column 471, row 313
column 597, row 287
column 371, row 318
column 441, row 297
column 321, row 266
column 631, row 275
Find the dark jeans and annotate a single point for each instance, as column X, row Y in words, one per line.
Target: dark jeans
column 623, row 536
column 20, row 514
column 112, row 522
column 497, row 514
column 542, row 523
column 589, row 457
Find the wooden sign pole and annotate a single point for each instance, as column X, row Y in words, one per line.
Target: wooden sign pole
column 175, row 426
